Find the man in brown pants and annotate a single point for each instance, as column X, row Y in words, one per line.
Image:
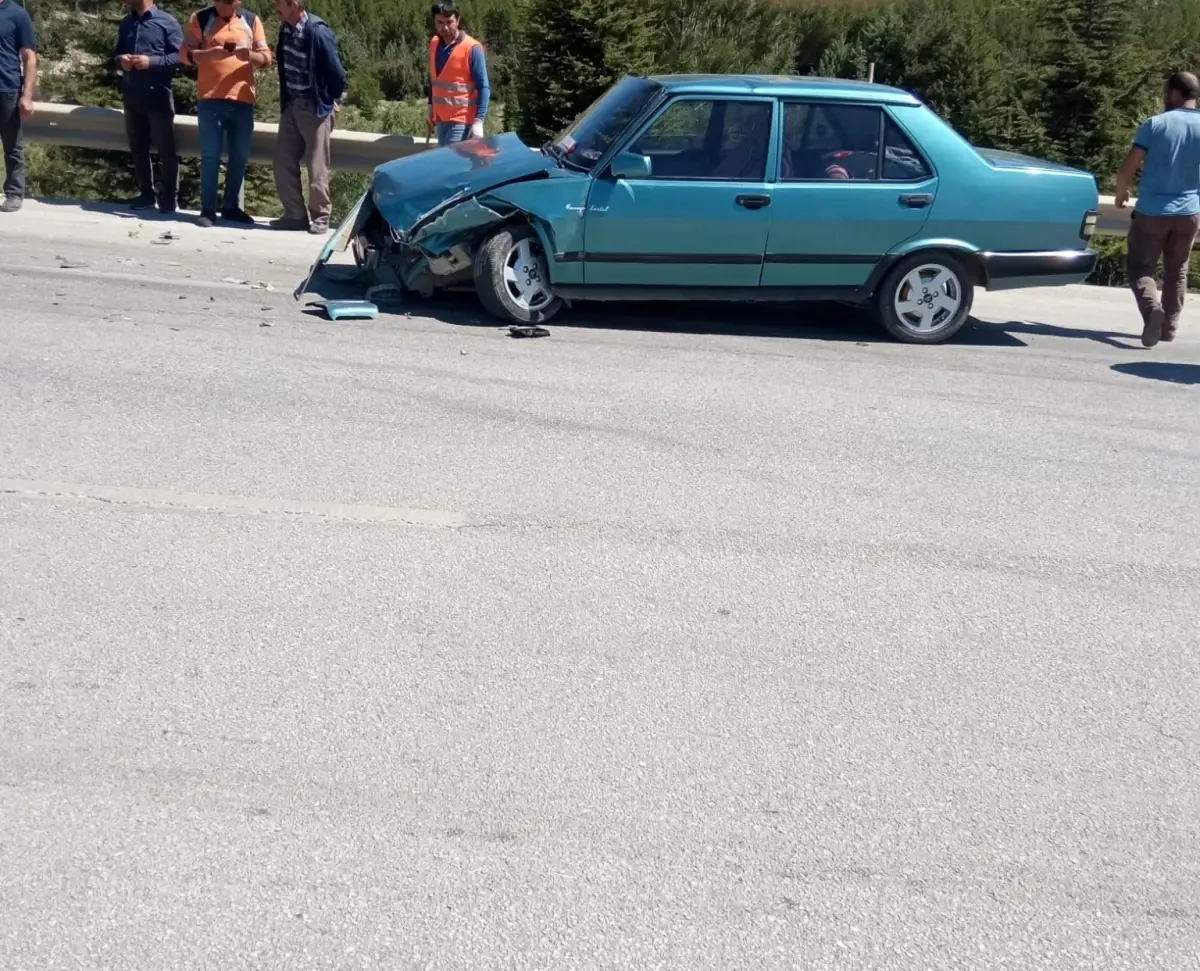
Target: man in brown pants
column 1165, row 221
column 312, row 81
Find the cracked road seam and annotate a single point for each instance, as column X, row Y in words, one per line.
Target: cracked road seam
column 235, row 505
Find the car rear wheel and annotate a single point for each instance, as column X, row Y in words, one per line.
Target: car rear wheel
column 512, row 277
column 925, row 299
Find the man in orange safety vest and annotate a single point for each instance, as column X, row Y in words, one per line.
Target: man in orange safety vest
column 458, row 83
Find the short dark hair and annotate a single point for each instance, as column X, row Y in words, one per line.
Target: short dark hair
column 1184, row 83
column 445, row 8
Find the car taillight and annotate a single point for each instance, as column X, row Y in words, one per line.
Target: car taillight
column 1088, row 228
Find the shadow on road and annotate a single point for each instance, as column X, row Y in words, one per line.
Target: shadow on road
column 804, row 321
column 148, row 215
column 1161, row 371
column 1124, row 342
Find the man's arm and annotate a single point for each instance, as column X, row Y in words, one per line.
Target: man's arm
column 172, row 42
column 260, row 53
column 1129, row 171
column 191, row 43
column 27, row 44
column 1133, row 162
column 29, row 72
column 478, row 64
column 336, row 73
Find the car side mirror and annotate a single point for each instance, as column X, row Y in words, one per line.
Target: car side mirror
column 629, row 165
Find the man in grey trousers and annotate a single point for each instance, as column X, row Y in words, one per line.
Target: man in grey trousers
column 312, row 81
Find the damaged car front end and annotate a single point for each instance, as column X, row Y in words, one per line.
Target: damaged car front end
column 485, row 214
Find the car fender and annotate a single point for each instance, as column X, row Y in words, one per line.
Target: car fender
column 965, row 251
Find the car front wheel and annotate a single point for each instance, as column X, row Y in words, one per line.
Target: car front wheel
column 512, row 277
column 925, row 299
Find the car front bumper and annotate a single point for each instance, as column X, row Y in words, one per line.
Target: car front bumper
column 1051, row 268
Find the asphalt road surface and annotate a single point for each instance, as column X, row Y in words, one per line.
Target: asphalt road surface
column 705, row 640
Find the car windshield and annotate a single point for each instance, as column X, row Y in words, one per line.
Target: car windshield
column 593, row 133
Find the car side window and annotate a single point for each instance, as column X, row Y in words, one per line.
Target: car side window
column 901, row 160
column 830, row 142
column 839, row 142
column 722, row 140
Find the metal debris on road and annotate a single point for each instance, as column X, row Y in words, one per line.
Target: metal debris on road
column 528, row 330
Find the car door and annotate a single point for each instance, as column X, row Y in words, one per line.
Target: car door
column 852, row 186
column 702, row 216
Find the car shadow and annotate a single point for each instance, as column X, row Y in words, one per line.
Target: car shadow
column 837, row 323
column 807, row 321
column 1161, row 371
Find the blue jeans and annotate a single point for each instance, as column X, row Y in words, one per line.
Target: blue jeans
column 451, row 131
column 224, row 126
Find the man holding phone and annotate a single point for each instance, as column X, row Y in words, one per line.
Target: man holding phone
column 227, row 45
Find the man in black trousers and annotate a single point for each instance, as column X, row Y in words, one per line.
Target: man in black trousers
column 148, row 42
column 18, row 77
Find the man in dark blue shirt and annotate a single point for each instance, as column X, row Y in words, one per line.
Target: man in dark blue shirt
column 18, row 76
column 148, row 42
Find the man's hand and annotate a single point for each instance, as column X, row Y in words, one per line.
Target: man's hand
column 124, row 60
column 477, row 129
column 1122, row 198
column 26, row 106
column 138, row 62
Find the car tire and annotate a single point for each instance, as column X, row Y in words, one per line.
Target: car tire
column 934, row 314
column 512, row 277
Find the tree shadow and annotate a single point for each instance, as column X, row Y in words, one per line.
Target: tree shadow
column 1161, row 371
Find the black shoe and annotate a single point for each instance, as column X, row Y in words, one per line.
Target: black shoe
column 144, row 201
column 237, row 216
column 11, row 204
column 289, row 224
column 167, row 207
column 206, row 219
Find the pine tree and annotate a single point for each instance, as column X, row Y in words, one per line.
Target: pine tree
column 569, row 53
column 1096, row 83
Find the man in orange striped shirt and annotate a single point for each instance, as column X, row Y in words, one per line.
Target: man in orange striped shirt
column 226, row 44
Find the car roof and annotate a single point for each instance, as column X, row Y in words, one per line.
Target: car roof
column 833, row 89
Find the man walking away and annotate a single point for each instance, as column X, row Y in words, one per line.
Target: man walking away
column 458, row 83
column 1166, row 218
column 18, row 78
column 227, row 45
column 311, row 83
column 148, row 42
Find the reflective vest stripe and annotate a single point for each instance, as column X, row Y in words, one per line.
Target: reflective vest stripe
column 455, row 96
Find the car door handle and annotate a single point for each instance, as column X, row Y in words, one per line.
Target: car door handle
column 916, row 200
column 753, row 202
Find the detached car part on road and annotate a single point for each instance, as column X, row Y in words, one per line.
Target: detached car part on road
column 729, row 188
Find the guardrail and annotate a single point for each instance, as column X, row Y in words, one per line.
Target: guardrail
column 81, row 126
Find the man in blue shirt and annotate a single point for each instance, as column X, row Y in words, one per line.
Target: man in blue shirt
column 148, row 42
column 1166, row 218
column 18, row 77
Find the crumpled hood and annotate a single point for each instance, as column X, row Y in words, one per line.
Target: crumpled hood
column 408, row 188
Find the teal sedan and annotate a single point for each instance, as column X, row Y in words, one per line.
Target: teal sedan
column 729, row 188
